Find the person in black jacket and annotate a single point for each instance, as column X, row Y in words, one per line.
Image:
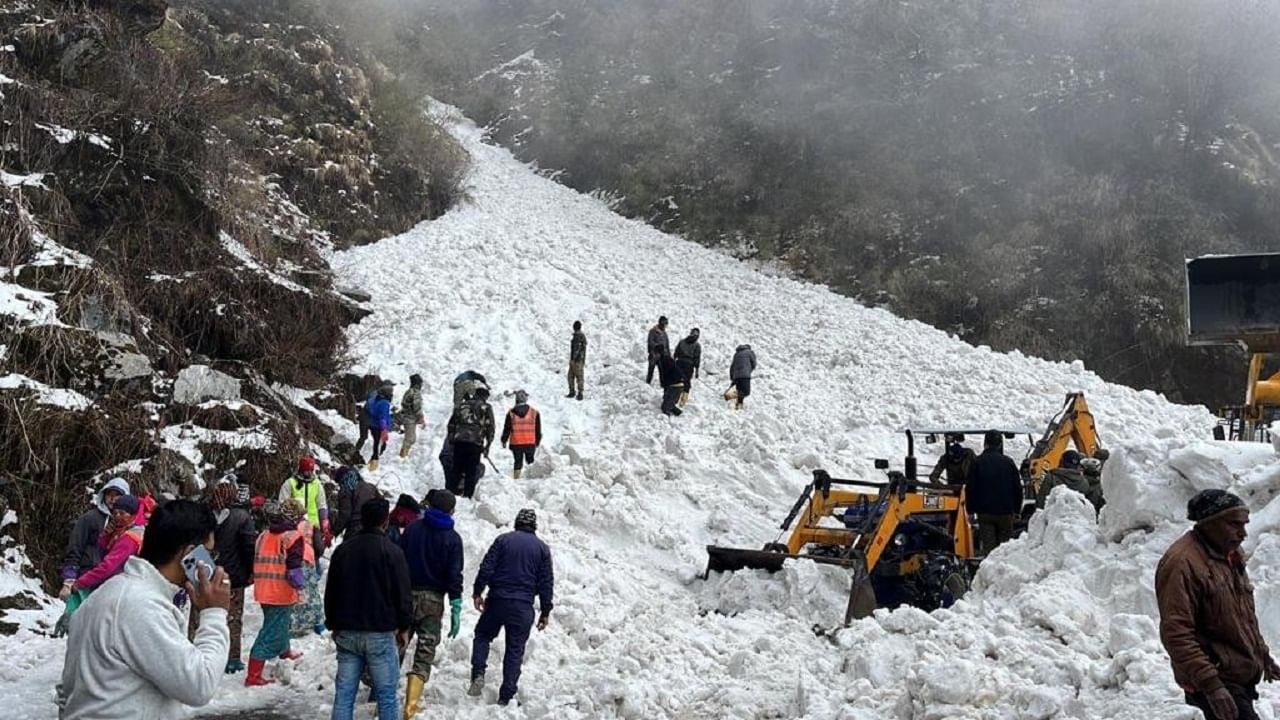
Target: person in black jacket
column 353, row 492
column 234, row 541
column 994, row 492
column 688, row 356
column 672, row 384
column 433, row 550
column 516, row 567
column 369, row 608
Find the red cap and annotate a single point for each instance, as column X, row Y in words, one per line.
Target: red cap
column 258, row 501
column 307, row 464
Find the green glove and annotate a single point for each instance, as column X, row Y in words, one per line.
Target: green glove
column 455, row 617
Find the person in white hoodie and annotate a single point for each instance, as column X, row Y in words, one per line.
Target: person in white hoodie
column 128, row 656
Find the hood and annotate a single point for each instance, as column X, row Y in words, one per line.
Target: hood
column 742, row 348
column 116, row 483
column 521, row 409
column 438, row 519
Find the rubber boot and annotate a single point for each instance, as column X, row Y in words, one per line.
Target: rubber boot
column 373, row 465
column 412, row 694
column 254, row 678
column 516, row 473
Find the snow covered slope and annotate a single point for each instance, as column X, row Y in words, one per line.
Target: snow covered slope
column 1061, row 625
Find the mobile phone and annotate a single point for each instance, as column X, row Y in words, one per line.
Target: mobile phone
column 192, row 561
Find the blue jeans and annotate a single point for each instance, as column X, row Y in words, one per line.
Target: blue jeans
column 515, row 617
column 373, row 650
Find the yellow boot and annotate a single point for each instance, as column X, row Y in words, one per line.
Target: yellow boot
column 412, row 694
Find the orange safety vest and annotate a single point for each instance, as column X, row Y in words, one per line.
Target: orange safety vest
column 524, row 430
column 270, row 584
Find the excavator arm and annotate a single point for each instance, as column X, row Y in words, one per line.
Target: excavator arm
column 1073, row 425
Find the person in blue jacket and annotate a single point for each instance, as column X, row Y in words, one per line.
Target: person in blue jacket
column 515, row 569
column 434, row 551
column 375, row 420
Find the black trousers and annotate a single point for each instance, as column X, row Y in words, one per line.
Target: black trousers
column 744, row 388
column 466, row 466
column 523, row 454
column 1244, row 697
column 365, row 432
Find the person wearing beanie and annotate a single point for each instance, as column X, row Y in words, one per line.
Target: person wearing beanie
column 994, row 492
column 523, row 429
column 277, row 577
column 305, row 487
column 368, row 604
column 121, row 540
column 577, row 360
column 234, row 542
column 411, row 417
column 515, row 569
column 434, row 552
column 1208, row 621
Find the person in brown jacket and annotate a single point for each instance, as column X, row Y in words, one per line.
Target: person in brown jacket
column 1208, row 623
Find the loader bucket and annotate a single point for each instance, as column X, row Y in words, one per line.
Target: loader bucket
column 862, row 595
column 721, row 559
column 1234, row 298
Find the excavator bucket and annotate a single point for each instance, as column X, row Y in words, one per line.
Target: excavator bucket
column 722, row 559
column 1234, row 298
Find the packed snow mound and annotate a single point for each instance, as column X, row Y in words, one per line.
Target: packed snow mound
column 1061, row 623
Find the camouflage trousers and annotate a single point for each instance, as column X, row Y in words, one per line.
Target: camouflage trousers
column 428, row 611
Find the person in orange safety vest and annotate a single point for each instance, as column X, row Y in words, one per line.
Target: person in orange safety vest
column 522, row 431
column 277, row 578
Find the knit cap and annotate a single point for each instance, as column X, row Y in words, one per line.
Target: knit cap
column 526, row 519
column 1207, row 504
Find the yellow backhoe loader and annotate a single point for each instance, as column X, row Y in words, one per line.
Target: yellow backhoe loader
column 905, row 541
column 1235, row 300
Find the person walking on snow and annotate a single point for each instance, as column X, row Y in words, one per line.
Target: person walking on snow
column 308, row 612
column 657, row 345
column 740, row 371
column 1208, row 620
column 672, row 381
column 406, row 512
column 369, row 607
column 277, row 578
column 994, row 492
column 234, row 541
column 305, row 487
column 577, row 360
column 523, row 429
column 515, row 569
column 353, row 493
column 433, row 550
column 128, row 656
column 411, row 416
column 471, row 431
column 688, row 356
column 375, row 420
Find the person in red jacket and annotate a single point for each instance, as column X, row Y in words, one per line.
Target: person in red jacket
column 121, row 540
column 523, row 430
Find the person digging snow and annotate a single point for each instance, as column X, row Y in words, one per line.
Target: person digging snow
column 128, row 656
column 411, row 416
column 305, row 487
column 688, row 356
column 577, row 360
column 433, row 550
column 523, row 430
column 375, row 420
column 741, row 368
column 672, row 380
column 277, row 578
column 516, row 568
column 1208, row 620
column 368, row 605
column 471, row 432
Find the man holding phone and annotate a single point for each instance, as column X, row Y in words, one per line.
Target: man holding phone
column 128, row 656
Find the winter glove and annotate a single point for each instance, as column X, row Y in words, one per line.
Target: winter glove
column 60, row 628
column 455, row 617
column 296, row 579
